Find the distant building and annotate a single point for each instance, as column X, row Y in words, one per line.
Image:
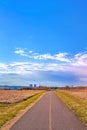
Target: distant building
column 35, row 85
column 30, row 85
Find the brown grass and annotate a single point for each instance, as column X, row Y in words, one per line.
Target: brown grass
column 16, row 95
column 11, row 109
column 76, row 100
column 79, row 93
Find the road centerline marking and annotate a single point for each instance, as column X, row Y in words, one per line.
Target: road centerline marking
column 50, row 115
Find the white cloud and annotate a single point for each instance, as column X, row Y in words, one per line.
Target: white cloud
column 76, row 64
column 42, row 57
column 30, row 51
column 62, row 57
column 20, row 52
column 3, row 66
column 80, row 59
column 68, row 67
column 30, row 54
column 58, row 57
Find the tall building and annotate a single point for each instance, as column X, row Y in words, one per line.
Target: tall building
column 30, row 85
column 35, row 85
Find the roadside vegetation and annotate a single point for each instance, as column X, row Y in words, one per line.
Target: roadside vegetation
column 10, row 110
column 74, row 102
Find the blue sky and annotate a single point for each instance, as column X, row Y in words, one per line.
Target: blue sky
column 43, row 42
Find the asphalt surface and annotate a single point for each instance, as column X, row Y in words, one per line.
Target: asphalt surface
column 49, row 113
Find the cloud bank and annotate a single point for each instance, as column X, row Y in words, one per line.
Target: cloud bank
column 46, row 69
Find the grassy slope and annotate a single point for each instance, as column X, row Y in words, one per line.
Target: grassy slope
column 77, row 105
column 9, row 110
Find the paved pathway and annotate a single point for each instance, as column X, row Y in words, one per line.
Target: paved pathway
column 49, row 113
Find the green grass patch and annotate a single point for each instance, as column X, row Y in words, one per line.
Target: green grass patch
column 76, row 104
column 10, row 110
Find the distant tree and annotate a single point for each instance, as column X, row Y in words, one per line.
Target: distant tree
column 67, row 87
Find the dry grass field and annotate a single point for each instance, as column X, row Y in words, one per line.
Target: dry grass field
column 79, row 93
column 16, row 95
column 76, row 100
column 13, row 101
